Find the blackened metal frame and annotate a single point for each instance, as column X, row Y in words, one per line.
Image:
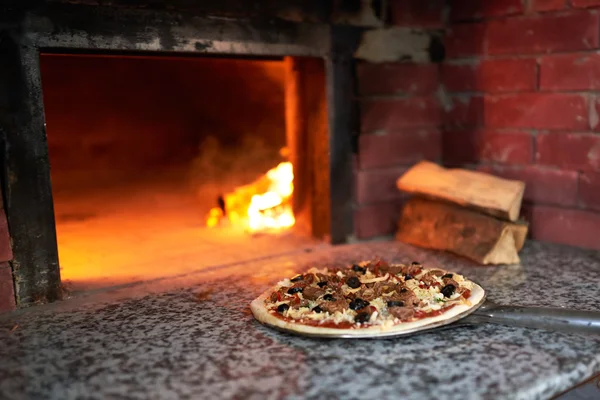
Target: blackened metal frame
column 26, row 179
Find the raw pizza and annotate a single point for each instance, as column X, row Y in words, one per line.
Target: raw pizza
column 367, row 299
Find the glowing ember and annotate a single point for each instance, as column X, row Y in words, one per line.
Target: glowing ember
column 264, row 204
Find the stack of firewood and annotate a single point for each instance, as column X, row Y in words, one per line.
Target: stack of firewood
column 469, row 213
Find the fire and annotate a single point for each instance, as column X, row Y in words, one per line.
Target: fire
column 263, row 204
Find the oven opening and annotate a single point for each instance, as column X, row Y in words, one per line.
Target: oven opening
column 166, row 165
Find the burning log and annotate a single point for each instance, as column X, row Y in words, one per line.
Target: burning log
column 221, row 204
column 443, row 226
column 475, row 190
column 263, row 204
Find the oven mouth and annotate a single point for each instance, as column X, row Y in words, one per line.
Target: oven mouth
column 165, row 165
column 322, row 202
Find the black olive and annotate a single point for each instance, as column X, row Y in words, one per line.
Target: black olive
column 358, row 268
column 358, row 304
column 317, row 309
column 321, row 284
column 362, row 317
column 403, row 290
column 329, row 297
column 448, row 290
column 395, row 304
column 353, row 282
column 293, row 290
column 282, row 308
column 408, row 277
column 447, row 276
column 297, row 278
column 415, row 263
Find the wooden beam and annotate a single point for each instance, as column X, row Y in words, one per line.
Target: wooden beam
column 27, row 189
column 307, row 139
column 342, row 130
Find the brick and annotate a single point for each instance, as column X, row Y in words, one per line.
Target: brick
column 417, row 13
column 5, row 247
column 491, row 76
column 466, row 147
column 377, row 219
column 391, row 78
column 585, row 3
column 513, row 147
column 543, row 34
column 566, row 226
column 7, row 293
column 569, row 151
column 399, row 148
column 547, row 5
column 538, row 111
column 399, row 113
column 542, row 185
column 464, row 40
column 464, row 111
column 461, row 10
column 589, row 190
column 595, row 114
column 378, row 185
column 570, row 72
column 460, row 147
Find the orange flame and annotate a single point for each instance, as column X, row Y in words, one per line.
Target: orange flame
column 264, row 204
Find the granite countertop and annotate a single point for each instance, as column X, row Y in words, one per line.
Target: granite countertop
column 194, row 337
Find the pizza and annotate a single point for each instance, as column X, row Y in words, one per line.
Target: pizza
column 365, row 299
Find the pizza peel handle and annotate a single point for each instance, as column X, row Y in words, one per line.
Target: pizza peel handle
column 557, row 319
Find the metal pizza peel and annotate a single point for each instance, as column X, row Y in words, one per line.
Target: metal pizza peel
column 554, row 319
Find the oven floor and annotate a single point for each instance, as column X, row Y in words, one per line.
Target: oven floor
column 150, row 233
column 193, row 337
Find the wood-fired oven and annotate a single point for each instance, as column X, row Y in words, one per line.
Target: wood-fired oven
column 103, row 96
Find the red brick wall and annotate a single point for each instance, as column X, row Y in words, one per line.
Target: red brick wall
column 534, row 67
column 7, row 294
column 400, row 116
column 517, row 97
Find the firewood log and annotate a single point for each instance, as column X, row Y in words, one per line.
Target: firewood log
column 445, row 226
column 476, row 190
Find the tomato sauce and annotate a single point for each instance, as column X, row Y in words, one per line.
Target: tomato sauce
column 321, row 324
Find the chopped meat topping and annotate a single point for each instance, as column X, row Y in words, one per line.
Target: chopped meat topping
column 408, row 297
column 429, row 278
column 303, row 303
column 436, row 272
column 402, row 313
column 333, row 278
column 334, row 306
column 384, row 287
column 313, row 293
column 367, row 294
column 413, row 270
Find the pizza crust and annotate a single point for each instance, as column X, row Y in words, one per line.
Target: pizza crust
column 262, row 314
